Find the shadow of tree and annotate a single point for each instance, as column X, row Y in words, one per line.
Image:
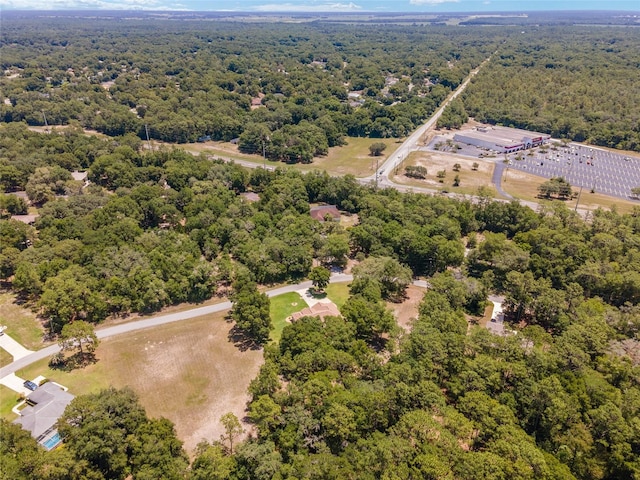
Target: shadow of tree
column 317, row 294
column 72, row 362
column 241, row 340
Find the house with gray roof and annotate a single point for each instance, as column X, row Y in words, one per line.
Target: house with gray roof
column 45, row 406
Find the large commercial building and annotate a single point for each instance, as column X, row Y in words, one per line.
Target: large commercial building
column 501, row 139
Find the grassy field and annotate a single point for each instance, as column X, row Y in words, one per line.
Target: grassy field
column 190, row 372
column 8, row 399
column 282, row 307
column 5, row 358
column 338, row 293
column 353, row 158
column 22, row 324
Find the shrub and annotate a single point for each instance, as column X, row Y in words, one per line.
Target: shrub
column 415, row 171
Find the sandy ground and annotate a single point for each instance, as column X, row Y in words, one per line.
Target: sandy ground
column 406, row 311
column 191, row 374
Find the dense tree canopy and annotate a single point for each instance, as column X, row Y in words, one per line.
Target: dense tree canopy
column 351, row 396
column 183, row 81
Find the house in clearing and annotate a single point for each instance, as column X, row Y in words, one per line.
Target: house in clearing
column 45, row 406
column 320, row 309
column 324, row 212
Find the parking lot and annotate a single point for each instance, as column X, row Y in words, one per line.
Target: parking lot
column 592, row 168
column 596, row 169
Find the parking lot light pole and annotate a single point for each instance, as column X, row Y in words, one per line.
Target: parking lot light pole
column 578, row 199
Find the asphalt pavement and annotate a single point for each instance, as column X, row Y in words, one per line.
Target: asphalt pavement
column 600, row 170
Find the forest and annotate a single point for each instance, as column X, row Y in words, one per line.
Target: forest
column 304, row 91
column 581, row 86
column 351, row 396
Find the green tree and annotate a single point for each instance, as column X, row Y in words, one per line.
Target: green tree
column 72, row 293
column 232, row 428
column 110, row 431
column 377, row 148
column 320, row 276
column 21, row 458
column 251, row 310
column 79, row 335
column 264, row 413
column 558, row 187
column 46, row 183
column 211, row 463
column 370, row 318
column 12, row 205
column 335, row 250
column 415, row 171
column 393, row 277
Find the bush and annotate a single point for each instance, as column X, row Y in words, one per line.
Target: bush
column 377, row 148
column 415, row 171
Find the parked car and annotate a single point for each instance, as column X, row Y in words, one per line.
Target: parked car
column 30, row 385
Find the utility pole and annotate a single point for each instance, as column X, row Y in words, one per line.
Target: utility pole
column 265, row 139
column 578, row 200
column 46, row 125
column 146, row 129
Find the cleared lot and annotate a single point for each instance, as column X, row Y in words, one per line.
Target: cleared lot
column 189, row 372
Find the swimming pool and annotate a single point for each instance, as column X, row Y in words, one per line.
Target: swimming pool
column 52, row 442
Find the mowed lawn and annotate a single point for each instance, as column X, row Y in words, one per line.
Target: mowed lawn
column 190, row 372
column 282, row 307
column 338, row 293
column 5, row 358
column 8, row 399
column 354, row 157
column 22, row 324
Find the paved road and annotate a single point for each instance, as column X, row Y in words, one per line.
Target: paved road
column 497, row 179
column 156, row 321
column 411, row 143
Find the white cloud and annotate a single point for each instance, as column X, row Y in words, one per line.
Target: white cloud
column 87, row 5
column 431, row 2
column 290, row 7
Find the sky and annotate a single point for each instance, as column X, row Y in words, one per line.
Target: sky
column 424, row 6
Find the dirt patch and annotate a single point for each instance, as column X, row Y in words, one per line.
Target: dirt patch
column 471, row 178
column 188, row 372
column 407, row 311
